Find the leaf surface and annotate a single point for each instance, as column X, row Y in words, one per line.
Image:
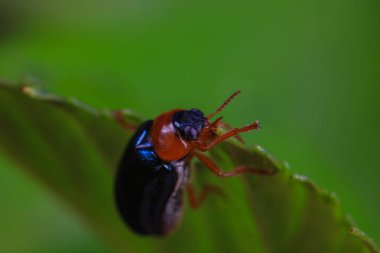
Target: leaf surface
column 74, row 150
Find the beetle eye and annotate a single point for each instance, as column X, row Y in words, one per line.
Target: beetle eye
column 189, row 123
column 190, row 133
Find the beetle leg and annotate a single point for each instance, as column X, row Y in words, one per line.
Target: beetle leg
column 196, row 201
column 237, row 171
column 227, row 126
column 119, row 117
column 233, row 132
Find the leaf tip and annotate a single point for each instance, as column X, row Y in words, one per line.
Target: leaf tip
column 28, row 90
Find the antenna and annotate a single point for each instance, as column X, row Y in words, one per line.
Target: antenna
column 228, row 100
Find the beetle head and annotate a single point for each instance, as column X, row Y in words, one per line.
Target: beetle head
column 192, row 125
column 189, row 123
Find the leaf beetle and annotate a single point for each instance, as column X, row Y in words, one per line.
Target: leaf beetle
column 155, row 167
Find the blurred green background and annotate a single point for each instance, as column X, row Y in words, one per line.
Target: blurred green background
column 309, row 70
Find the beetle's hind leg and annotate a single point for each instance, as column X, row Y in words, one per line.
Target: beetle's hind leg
column 237, row 171
column 197, row 200
column 119, row 117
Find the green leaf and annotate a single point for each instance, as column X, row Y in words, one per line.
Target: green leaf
column 74, row 150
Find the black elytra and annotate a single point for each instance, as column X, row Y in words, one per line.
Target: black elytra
column 148, row 191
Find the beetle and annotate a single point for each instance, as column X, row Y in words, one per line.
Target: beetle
column 155, row 167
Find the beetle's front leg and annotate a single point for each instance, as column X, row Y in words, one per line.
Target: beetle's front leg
column 233, row 132
column 237, row 171
column 228, row 127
